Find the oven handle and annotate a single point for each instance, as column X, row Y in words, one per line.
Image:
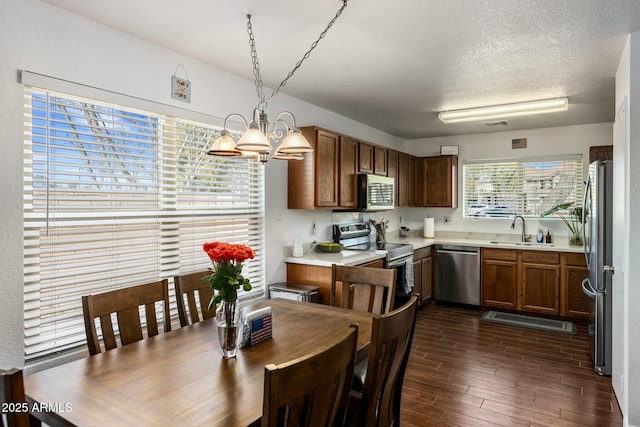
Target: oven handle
column 399, row 261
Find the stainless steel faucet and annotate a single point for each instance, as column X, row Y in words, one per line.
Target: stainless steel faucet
column 525, row 237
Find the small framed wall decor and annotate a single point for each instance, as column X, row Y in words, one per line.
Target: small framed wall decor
column 448, row 150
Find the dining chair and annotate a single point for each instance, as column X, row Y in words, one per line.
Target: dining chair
column 312, row 390
column 379, row 402
column 125, row 303
column 364, row 288
column 186, row 287
column 13, row 400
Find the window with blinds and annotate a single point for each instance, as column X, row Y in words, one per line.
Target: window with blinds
column 527, row 187
column 115, row 197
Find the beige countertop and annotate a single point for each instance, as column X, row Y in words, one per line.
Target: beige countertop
column 483, row 240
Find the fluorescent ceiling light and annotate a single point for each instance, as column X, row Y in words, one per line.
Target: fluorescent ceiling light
column 504, row 111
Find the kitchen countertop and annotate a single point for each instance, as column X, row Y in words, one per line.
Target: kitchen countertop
column 483, row 240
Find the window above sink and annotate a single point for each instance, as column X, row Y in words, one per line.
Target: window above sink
column 503, row 188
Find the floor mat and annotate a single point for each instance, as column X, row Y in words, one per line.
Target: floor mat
column 530, row 322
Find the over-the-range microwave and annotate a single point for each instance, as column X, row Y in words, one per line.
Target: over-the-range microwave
column 375, row 192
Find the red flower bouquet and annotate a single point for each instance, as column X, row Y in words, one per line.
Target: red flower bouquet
column 226, row 276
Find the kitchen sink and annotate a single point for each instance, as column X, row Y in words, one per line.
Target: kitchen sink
column 541, row 245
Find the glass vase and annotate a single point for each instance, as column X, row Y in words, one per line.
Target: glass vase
column 229, row 325
column 575, row 239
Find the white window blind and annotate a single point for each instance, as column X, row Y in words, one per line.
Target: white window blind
column 527, row 187
column 115, row 197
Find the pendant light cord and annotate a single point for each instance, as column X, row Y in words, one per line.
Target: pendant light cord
column 263, row 103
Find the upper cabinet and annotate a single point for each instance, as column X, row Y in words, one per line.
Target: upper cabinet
column 406, row 182
column 380, row 161
column 365, row 157
column 347, row 181
column 392, row 172
column 327, row 177
column 438, row 181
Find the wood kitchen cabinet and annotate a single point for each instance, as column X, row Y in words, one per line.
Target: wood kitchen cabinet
column 499, row 282
column 539, row 289
column 380, row 161
column 575, row 303
column 407, row 193
column 392, row 172
column 320, row 276
column 423, row 274
column 534, row 281
column 365, row 157
column 325, row 178
column 438, row 185
column 347, row 176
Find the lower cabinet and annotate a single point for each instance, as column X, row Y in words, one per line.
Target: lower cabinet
column 575, row 302
column 539, row 289
column 534, row 281
column 319, row 276
column 423, row 274
column 499, row 286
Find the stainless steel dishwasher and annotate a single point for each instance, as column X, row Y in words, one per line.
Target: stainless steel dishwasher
column 457, row 274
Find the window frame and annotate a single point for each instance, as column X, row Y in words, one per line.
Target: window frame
column 541, row 182
column 182, row 256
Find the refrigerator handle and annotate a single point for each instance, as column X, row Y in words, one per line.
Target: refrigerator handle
column 585, row 206
column 589, row 292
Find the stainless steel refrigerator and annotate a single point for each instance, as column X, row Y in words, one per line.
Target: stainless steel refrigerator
column 597, row 212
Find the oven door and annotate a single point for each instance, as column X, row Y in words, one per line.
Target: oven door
column 404, row 279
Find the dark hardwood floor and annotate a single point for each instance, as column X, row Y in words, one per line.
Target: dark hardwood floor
column 464, row 372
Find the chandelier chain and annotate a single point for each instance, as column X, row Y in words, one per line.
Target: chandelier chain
column 256, row 65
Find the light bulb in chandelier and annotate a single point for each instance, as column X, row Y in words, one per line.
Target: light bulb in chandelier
column 254, row 140
column 294, row 143
column 224, row 145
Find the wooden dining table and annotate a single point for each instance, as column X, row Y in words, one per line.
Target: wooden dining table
column 180, row 378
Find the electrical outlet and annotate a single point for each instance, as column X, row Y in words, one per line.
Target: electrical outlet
column 447, row 220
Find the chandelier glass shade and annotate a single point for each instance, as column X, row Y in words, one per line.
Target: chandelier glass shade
column 258, row 135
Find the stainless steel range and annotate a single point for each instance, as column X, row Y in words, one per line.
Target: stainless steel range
column 355, row 237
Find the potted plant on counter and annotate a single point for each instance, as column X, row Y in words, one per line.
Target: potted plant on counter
column 573, row 219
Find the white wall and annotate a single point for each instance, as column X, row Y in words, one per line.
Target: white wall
column 43, row 39
column 558, row 140
column 620, row 327
column 628, row 84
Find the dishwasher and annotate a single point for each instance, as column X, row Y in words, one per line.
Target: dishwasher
column 457, row 275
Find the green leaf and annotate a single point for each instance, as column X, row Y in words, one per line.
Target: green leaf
column 556, row 208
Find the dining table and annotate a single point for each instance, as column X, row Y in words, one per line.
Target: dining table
column 180, row 378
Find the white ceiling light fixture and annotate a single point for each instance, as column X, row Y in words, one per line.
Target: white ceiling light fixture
column 507, row 110
column 258, row 134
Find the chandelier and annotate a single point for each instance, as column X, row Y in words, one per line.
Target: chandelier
column 258, row 134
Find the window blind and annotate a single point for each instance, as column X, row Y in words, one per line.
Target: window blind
column 527, row 187
column 116, row 196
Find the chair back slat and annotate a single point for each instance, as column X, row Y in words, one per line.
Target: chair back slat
column 152, row 321
column 108, row 335
column 312, row 390
column 125, row 303
column 363, row 288
column 188, row 286
column 391, row 339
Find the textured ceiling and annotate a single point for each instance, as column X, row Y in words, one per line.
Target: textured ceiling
column 394, row 65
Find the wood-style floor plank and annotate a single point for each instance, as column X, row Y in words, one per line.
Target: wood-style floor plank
column 464, row 372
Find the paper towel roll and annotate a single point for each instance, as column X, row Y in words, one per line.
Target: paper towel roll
column 429, row 228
